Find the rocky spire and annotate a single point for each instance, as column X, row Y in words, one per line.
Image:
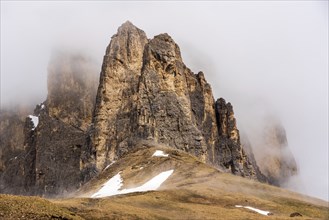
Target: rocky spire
column 231, row 153
column 116, row 94
column 52, row 141
column 273, row 154
column 147, row 92
column 164, row 104
column 72, row 86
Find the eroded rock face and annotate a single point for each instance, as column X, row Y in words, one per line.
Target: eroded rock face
column 72, row 86
column 232, row 154
column 11, row 150
column 117, row 92
column 274, row 156
column 147, row 92
column 57, row 147
column 53, row 159
column 164, row 105
column 50, row 154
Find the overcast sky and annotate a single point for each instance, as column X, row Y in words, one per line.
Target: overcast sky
column 265, row 57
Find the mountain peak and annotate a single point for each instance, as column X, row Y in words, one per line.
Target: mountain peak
column 145, row 93
column 127, row 24
column 164, row 49
column 127, row 27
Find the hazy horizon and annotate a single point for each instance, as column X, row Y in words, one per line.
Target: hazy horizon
column 266, row 58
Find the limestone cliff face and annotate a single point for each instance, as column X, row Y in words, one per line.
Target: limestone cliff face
column 147, row 92
column 232, row 155
column 72, row 86
column 116, row 96
column 11, row 150
column 57, row 146
column 164, row 105
column 53, row 156
column 49, row 146
column 275, row 158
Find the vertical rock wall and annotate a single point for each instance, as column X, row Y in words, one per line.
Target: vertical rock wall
column 116, row 96
column 11, row 151
column 273, row 154
column 72, row 86
column 52, row 142
column 147, row 92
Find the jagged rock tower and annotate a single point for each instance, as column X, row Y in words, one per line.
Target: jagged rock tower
column 147, row 92
column 43, row 155
column 273, row 154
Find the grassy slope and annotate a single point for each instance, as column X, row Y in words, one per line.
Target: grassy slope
column 29, row 207
column 194, row 191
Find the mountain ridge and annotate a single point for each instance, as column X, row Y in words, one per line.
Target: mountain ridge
column 145, row 92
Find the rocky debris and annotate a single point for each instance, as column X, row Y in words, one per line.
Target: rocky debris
column 296, row 214
column 72, row 86
column 273, row 155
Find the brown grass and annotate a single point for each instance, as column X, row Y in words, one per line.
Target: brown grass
column 29, row 207
column 194, row 191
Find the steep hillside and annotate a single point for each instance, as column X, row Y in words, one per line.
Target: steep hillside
column 194, row 190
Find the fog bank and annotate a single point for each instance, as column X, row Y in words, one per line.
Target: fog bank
column 263, row 57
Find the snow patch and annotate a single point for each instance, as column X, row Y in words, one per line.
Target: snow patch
column 112, row 187
column 35, row 121
column 254, row 209
column 42, row 106
column 109, row 165
column 159, row 153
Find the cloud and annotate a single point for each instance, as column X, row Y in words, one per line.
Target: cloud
column 264, row 57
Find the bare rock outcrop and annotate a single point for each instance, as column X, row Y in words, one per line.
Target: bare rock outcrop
column 72, row 86
column 164, row 105
column 117, row 92
column 53, row 156
column 12, row 137
column 49, row 148
column 147, row 92
column 274, row 156
column 232, row 154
